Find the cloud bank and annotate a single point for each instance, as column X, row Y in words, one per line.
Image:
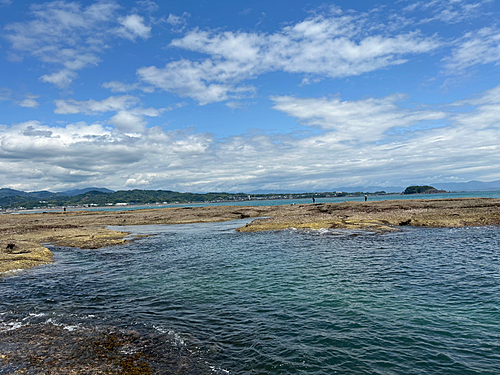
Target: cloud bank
column 385, row 143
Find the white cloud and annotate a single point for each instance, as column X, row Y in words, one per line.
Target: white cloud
column 335, row 47
column 133, row 27
column 116, row 86
column 61, row 79
column 149, row 5
column 129, row 118
column 69, row 34
column 449, row 11
column 366, row 120
column 113, row 103
column 187, row 79
column 34, row 155
column 174, row 20
column 474, row 48
column 178, row 22
column 29, row 103
column 371, row 141
column 128, row 122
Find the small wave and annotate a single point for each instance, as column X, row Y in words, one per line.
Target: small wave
column 332, row 232
column 67, row 327
column 35, row 315
column 11, row 326
column 218, row 370
column 174, row 337
column 12, row 272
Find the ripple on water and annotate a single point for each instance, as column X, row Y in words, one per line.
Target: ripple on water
column 284, row 302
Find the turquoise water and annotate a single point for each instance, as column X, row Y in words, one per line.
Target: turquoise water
column 419, row 301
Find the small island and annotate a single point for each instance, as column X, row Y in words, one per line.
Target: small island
column 423, row 189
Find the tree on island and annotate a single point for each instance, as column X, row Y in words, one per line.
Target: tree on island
column 424, row 189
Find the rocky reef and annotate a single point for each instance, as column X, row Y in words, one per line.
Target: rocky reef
column 22, row 236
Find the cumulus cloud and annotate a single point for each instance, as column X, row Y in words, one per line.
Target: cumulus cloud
column 128, row 122
column 186, row 79
column 129, row 117
column 61, row 79
column 133, row 27
column 376, row 141
column 42, row 155
column 29, row 103
column 321, row 46
column 69, row 34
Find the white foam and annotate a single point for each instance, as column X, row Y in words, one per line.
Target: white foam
column 67, row 327
column 215, row 369
column 5, row 327
column 13, row 271
column 176, row 338
column 36, row 315
column 70, row 328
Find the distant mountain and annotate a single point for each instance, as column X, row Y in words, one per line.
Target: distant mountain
column 278, row 192
column 371, row 189
column 349, row 189
column 468, row 186
column 42, row 194
column 6, row 192
column 10, row 198
column 72, row 193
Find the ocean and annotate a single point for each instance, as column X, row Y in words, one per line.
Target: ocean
column 417, row 301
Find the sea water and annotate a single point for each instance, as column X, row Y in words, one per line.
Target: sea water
column 417, row 301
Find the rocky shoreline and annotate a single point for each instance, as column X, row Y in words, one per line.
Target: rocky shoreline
column 22, row 236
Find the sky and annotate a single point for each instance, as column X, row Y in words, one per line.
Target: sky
column 239, row 96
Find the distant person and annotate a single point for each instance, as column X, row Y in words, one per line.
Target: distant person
column 366, row 197
column 314, row 200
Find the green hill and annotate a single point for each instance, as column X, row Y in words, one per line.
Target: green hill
column 422, row 189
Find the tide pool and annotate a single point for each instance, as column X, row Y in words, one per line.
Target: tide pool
column 286, row 302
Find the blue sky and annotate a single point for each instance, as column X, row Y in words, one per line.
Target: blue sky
column 244, row 95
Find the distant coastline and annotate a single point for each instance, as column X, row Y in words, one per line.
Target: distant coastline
column 275, row 200
column 91, row 198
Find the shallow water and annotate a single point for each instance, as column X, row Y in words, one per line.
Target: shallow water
column 286, row 302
